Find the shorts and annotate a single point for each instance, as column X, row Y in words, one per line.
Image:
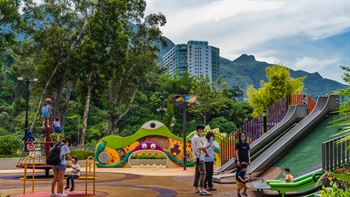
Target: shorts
column 57, row 129
column 45, row 114
column 62, row 167
column 241, row 185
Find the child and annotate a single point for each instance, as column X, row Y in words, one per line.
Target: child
column 75, row 173
column 57, row 128
column 242, row 179
column 289, row 177
column 46, row 111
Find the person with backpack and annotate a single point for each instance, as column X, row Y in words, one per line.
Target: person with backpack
column 59, row 165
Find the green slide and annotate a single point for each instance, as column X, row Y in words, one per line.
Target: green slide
column 300, row 184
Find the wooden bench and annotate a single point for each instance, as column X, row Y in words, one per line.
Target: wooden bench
column 260, row 186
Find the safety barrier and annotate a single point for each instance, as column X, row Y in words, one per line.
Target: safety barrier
column 335, row 155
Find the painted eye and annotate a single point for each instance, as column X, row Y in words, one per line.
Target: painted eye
column 153, row 146
column 144, row 146
column 152, row 125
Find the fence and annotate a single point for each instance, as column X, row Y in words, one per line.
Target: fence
column 335, row 155
column 300, row 99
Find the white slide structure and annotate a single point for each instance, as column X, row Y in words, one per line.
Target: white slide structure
column 324, row 106
column 294, row 115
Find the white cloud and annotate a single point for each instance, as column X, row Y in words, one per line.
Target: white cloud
column 312, row 64
column 237, row 26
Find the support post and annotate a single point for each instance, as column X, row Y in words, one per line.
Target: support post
column 184, row 132
column 265, row 121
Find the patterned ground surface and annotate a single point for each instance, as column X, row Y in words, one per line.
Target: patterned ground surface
column 124, row 182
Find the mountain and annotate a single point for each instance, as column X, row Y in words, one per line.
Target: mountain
column 245, row 71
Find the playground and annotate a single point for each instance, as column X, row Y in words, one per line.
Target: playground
column 155, row 162
column 162, row 182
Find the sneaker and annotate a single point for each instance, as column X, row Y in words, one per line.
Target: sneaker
column 212, row 189
column 67, row 187
column 71, row 189
column 197, row 191
column 62, row 194
column 239, row 195
column 244, row 194
column 204, row 193
column 53, row 194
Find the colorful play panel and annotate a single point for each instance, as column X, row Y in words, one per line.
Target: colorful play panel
column 153, row 145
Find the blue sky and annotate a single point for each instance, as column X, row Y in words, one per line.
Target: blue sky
column 309, row 35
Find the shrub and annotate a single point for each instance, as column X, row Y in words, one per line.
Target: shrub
column 9, row 145
column 81, row 154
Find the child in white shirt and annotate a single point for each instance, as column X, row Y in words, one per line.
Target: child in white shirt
column 75, row 173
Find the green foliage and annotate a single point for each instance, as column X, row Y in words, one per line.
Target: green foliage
column 81, row 154
column 9, row 145
column 224, row 125
column 148, row 156
column 279, row 84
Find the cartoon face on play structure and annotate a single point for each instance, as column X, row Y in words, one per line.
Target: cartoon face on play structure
column 152, row 141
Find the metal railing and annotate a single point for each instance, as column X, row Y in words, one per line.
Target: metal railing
column 335, row 155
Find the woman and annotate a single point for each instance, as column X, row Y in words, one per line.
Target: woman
column 242, row 152
column 209, row 162
column 60, row 169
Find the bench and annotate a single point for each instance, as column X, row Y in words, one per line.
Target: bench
column 260, row 186
column 84, row 178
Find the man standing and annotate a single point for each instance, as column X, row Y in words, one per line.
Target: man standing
column 199, row 152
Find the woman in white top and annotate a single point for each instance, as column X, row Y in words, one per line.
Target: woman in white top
column 59, row 170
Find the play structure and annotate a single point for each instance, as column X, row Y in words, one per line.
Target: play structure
column 153, row 145
column 38, row 151
column 286, row 145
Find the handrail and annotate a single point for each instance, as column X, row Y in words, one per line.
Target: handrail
column 25, row 172
column 90, row 160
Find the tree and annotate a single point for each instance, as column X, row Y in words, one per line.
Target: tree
column 279, row 84
column 9, row 21
column 210, row 97
column 132, row 76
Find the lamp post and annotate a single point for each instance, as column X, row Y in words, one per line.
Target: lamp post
column 161, row 109
column 27, row 82
column 264, row 121
column 178, row 100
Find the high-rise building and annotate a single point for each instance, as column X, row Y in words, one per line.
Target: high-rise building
column 197, row 58
column 176, row 60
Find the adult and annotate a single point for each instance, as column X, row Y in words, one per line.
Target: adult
column 199, row 152
column 242, row 152
column 209, row 162
column 59, row 170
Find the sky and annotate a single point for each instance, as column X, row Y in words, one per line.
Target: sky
column 309, row 35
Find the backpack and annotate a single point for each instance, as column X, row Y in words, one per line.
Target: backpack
column 54, row 157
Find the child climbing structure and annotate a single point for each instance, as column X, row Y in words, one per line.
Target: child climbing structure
column 153, row 145
column 35, row 148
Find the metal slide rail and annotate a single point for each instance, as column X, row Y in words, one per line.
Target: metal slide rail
column 334, row 155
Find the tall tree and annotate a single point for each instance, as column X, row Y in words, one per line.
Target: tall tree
column 54, row 30
column 9, row 21
column 142, row 55
column 279, row 84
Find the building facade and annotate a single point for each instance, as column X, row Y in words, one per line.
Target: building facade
column 197, row 58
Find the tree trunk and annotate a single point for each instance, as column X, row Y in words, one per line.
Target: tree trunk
column 86, row 112
column 66, row 105
column 114, row 118
column 57, row 104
